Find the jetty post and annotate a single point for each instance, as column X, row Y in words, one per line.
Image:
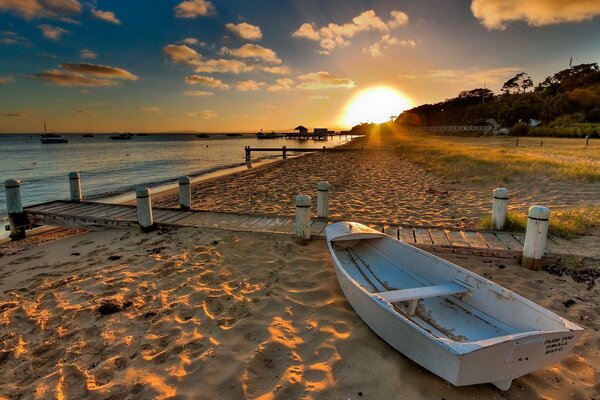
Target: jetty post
column 144, row 209
column 185, row 193
column 323, row 200
column 284, row 149
column 541, row 143
column 538, row 221
column 75, row 187
column 248, row 151
column 17, row 220
column 587, row 140
column 517, row 142
column 303, row 217
column 499, row 208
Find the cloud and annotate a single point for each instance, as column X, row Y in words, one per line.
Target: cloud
column 205, row 114
column 466, row 77
column 494, row 14
column 376, row 49
column 85, row 74
column 223, row 66
column 245, row 31
column 244, row 86
column 318, row 97
column 324, row 80
column 150, row 109
column 181, row 54
column 106, row 16
column 6, row 79
column 194, row 9
column 52, row 32
column 333, row 35
column 253, row 51
column 87, row 53
column 30, row 9
column 191, row 41
column 197, row 93
column 281, row 84
column 279, row 70
column 208, row 81
column 10, row 37
column 18, row 114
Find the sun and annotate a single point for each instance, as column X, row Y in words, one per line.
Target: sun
column 376, row 104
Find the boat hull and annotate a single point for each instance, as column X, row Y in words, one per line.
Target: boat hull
column 498, row 362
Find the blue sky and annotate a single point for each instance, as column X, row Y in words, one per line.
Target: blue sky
column 171, row 65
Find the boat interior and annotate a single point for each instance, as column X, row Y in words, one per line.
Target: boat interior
column 443, row 299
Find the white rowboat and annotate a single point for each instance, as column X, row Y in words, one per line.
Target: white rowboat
column 458, row 325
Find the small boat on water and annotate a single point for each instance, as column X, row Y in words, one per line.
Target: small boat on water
column 458, row 325
column 203, row 136
column 87, row 135
column 122, row 136
column 52, row 138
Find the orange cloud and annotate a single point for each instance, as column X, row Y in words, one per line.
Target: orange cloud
column 324, row 80
column 6, row 79
column 245, row 31
column 106, row 16
column 30, row 9
column 333, row 35
column 197, row 93
column 181, row 54
column 206, row 81
column 281, row 84
column 86, row 53
column 494, row 14
column 52, row 32
column 194, row 9
column 244, row 86
column 466, row 77
column 253, row 51
column 84, row 74
column 376, row 49
column 205, row 114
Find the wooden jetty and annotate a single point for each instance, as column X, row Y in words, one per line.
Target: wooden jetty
column 284, row 150
column 91, row 214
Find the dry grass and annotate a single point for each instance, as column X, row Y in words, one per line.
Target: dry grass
column 494, row 160
column 564, row 223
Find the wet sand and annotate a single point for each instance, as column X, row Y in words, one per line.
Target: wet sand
column 213, row 314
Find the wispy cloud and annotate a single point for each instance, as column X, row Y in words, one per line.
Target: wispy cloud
column 106, row 16
column 208, row 81
column 324, row 80
column 204, row 114
column 150, row 109
column 318, row 97
column 253, row 51
column 10, row 37
column 281, row 84
column 194, row 9
column 245, row 30
column 494, row 14
column 87, row 53
column 17, row 114
column 466, row 77
column 29, row 9
column 333, row 35
column 52, row 32
column 249, row 85
column 376, row 49
column 85, row 74
column 197, row 93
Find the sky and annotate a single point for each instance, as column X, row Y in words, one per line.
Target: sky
column 228, row 66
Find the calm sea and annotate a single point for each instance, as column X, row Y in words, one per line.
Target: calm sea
column 110, row 166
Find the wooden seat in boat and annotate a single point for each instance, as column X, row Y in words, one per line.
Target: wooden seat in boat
column 414, row 294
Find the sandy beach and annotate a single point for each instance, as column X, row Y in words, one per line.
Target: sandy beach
column 375, row 183
column 214, row 314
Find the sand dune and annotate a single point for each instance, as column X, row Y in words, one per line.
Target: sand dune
column 213, row 314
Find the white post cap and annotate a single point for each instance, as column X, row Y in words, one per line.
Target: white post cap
column 539, row 212
column 142, row 191
column 323, row 185
column 500, row 193
column 184, row 180
column 11, row 183
column 303, row 200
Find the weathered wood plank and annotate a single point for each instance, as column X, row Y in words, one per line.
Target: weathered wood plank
column 276, row 223
column 456, row 238
column 510, row 241
column 475, row 240
column 407, row 235
column 259, row 225
column 129, row 215
column 45, row 207
column 249, row 222
column 422, row 236
column 492, row 241
column 317, row 227
column 286, row 227
column 59, row 209
column 439, row 237
column 89, row 209
column 391, row 230
column 176, row 218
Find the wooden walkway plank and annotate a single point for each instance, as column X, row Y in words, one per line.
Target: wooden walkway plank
column 259, row 225
column 391, row 230
column 176, row 218
column 510, row 242
column 492, row 241
column 439, row 237
column 286, row 227
column 129, row 215
column 59, row 208
column 456, row 238
column 276, row 223
column 46, row 207
column 422, row 236
column 90, row 210
column 248, row 222
column 406, row 235
column 317, row 227
column 475, row 240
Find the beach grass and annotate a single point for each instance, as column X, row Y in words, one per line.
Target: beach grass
column 566, row 223
column 493, row 160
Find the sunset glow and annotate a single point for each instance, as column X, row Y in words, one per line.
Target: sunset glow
column 376, row 104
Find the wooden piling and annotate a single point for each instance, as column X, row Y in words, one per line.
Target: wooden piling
column 75, row 187
column 284, row 149
column 248, row 153
column 541, row 143
column 534, row 247
column 144, row 209
column 323, row 200
column 17, row 220
column 517, row 142
column 185, row 193
column 303, row 217
column 499, row 208
column 587, row 140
